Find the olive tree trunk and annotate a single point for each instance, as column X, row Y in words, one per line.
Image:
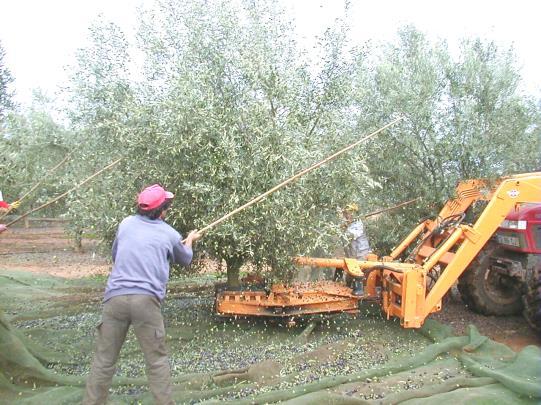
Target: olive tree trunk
column 233, row 271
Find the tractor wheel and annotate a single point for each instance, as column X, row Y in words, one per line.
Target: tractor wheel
column 532, row 299
column 488, row 291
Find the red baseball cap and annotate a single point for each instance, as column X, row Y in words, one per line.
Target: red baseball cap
column 152, row 197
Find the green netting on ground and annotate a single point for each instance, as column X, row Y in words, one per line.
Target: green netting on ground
column 46, row 335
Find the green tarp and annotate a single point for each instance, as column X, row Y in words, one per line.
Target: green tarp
column 46, row 334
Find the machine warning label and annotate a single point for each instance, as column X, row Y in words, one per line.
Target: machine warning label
column 513, row 193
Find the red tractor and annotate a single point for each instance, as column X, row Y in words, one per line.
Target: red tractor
column 505, row 277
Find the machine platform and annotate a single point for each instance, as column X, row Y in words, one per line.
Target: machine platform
column 285, row 301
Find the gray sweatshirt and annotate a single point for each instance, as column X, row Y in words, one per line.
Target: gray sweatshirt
column 142, row 251
column 358, row 246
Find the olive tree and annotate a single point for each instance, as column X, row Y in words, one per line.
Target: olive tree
column 223, row 108
column 6, row 92
column 103, row 110
column 465, row 117
column 33, row 143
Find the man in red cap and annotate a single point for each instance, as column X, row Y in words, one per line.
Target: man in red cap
column 143, row 248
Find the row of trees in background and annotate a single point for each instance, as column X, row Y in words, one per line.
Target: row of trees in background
column 218, row 102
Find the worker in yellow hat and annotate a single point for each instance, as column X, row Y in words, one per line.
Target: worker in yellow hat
column 351, row 208
column 357, row 243
column 358, row 246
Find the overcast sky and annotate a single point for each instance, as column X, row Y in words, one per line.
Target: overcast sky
column 40, row 37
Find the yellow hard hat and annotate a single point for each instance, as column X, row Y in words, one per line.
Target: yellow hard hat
column 352, row 207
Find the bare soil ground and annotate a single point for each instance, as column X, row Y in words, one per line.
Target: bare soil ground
column 510, row 330
column 49, row 250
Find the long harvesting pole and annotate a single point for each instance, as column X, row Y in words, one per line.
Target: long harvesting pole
column 394, row 207
column 296, row 176
column 64, row 194
column 51, row 171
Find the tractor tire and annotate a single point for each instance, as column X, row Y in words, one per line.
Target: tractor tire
column 486, row 291
column 532, row 300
